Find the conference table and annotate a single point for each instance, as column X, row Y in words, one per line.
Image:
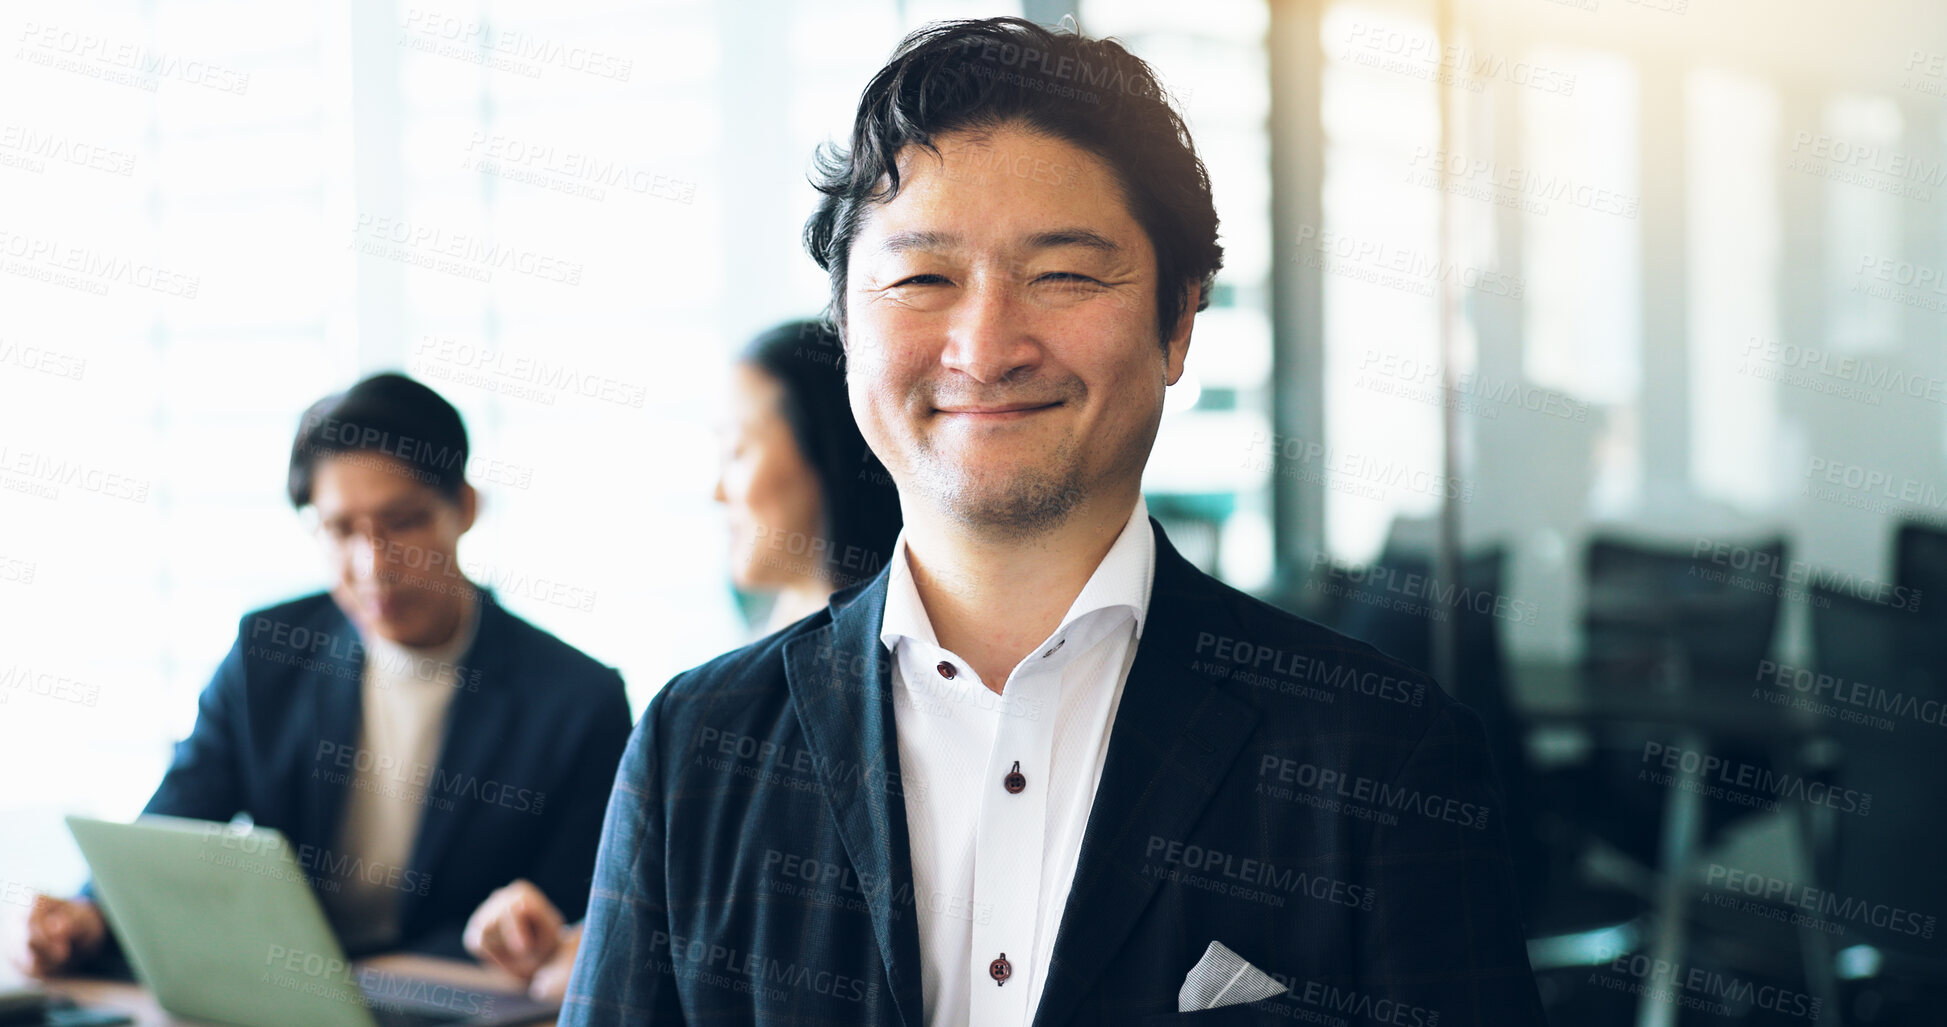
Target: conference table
column 131, row 998
column 1696, row 721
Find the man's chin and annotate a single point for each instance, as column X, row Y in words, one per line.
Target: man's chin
column 1010, row 505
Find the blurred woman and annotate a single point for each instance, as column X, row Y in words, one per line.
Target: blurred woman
column 810, row 511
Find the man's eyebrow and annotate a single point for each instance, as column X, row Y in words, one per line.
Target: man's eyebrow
column 1073, row 237
column 901, row 242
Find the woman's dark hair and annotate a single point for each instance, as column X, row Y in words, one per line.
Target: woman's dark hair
column 860, row 503
column 979, row 75
column 389, row 414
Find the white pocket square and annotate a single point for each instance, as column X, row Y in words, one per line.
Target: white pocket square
column 1223, row 978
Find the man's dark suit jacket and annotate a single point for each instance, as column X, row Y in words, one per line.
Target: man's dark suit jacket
column 1325, row 812
column 533, row 736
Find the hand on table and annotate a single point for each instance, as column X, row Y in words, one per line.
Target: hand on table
column 61, row 933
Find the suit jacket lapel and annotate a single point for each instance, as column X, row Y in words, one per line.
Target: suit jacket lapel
column 1174, row 739
column 338, row 709
column 840, row 678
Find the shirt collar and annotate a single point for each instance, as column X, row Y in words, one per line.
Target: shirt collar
column 1121, row 580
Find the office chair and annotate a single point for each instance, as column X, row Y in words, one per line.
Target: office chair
column 1891, row 856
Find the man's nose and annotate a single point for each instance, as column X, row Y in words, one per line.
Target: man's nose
column 365, row 557
column 988, row 338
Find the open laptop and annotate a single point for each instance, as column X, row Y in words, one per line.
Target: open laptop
column 220, row 923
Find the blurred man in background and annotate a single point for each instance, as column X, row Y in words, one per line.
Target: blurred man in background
column 415, row 742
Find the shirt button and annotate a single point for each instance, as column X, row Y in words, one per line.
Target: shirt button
column 1058, row 644
column 1000, row 970
column 945, row 669
column 1015, row 780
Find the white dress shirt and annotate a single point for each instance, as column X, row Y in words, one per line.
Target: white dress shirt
column 992, row 868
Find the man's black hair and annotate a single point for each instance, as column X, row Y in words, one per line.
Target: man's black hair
column 861, row 505
column 388, row 414
column 979, row 75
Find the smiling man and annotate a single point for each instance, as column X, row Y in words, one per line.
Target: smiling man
column 1041, row 770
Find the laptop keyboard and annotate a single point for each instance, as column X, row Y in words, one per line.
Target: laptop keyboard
column 393, row 1016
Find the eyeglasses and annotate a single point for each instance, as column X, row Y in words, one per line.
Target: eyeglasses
column 385, row 526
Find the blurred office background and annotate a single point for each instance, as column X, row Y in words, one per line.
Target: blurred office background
column 1587, row 351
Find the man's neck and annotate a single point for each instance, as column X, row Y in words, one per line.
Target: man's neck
column 992, row 600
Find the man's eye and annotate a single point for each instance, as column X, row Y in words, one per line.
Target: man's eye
column 920, row 280
column 1066, row 277
column 409, row 522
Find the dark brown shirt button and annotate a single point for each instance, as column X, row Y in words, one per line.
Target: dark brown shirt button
column 1000, row 970
column 1015, row 780
column 945, row 669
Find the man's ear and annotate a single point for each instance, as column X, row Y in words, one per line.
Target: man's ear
column 469, row 504
column 1177, row 346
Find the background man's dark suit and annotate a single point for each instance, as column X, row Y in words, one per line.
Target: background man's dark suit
column 533, row 736
column 755, row 866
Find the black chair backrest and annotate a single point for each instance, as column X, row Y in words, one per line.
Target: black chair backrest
column 1885, row 704
column 1648, row 604
column 1920, row 562
column 1402, row 627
